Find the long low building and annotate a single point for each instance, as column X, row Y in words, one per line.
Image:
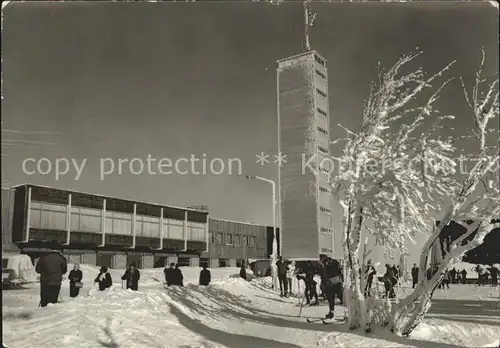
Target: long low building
column 101, row 230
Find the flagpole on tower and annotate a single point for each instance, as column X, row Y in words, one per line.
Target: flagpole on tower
column 309, row 17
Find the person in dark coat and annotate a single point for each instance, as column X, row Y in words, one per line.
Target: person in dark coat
column 51, row 268
column 169, row 273
column 75, row 279
column 464, row 276
column 205, row 276
column 494, row 275
column 453, row 274
column 132, row 276
column 104, row 279
column 178, row 277
column 311, row 286
column 243, row 272
column 390, row 281
column 414, row 275
column 282, row 277
column 333, row 283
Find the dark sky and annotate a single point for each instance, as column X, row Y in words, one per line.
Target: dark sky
column 175, row 79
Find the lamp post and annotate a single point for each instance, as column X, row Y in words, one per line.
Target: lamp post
column 274, row 253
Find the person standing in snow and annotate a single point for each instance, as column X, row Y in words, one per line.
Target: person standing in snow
column 75, row 280
column 169, row 274
column 51, row 268
column 464, row 276
column 390, row 282
column 205, row 276
column 290, row 271
column 311, row 291
column 103, row 279
column 132, row 276
column 494, row 275
column 369, row 273
column 453, row 274
column 333, row 283
column 282, row 276
column 414, row 275
column 178, row 277
column 243, row 272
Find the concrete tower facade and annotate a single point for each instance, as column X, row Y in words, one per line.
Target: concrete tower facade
column 304, row 137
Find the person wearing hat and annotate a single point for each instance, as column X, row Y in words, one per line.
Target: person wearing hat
column 132, row 277
column 104, row 279
column 51, row 268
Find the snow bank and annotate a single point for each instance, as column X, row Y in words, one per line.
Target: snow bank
column 459, row 334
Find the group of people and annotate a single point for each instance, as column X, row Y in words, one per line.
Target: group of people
column 330, row 272
column 53, row 265
column 484, row 275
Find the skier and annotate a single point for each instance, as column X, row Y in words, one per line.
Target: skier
column 104, row 279
column 414, row 275
column 169, row 272
column 205, row 276
column 132, row 277
column 369, row 273
column 333, row 283
column 51, row 268
column 75, row 280
column 282, row 277
column 311, row 284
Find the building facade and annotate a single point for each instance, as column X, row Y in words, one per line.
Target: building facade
column 100, row 230
column 231, row 243
column 104, row 230
column 304, row 137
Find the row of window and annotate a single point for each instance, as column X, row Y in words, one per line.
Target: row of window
column 324, row 189
column 325, row 210
column 237, row 239
column 322, row 130
column 319, row 60
column 54, row 217
column 323, row 150
column 322, row 112
column 319, row 73
column 320, row 92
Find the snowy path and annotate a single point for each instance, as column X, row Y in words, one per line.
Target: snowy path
column 229, row 313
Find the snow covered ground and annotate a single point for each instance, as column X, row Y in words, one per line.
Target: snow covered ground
column 230, row 313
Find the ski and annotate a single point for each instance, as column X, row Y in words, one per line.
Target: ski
column 331, row 321
column 310, row 321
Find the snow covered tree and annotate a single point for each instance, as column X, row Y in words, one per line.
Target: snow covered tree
column 383, row 183
column 398, row 170
column 474, row 198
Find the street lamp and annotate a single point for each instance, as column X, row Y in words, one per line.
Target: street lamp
column 274, row 253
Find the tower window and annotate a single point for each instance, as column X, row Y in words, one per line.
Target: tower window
column 325, row 210
column 322, row 130
column 320, row 92
column 322, row 112
column 320, row 74
column 322, row 149
column 319, row 60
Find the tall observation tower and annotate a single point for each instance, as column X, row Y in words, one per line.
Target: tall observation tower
column 304, row 137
